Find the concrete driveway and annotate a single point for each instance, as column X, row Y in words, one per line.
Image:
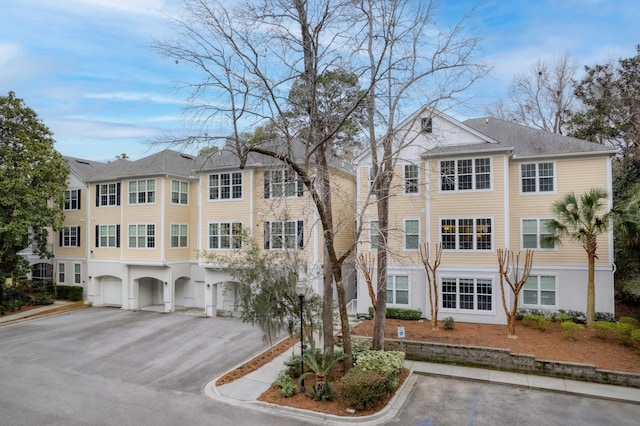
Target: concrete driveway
column 104, row 366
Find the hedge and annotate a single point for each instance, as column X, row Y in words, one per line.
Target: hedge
column 401, row 314
column 69, row 292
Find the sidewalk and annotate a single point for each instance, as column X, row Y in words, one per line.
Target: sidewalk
column 43, row 310
column 245, row 391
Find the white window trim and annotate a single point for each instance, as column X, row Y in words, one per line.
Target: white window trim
column 537, row 191
column 404, row 234
column 283, row 184
column 404, row 180
column 64, row 228
column 70, row 191
column 219, row 199
column 537, row 219
column 115, row 194
column 473, row 175
column 373, row 246
column 541, row 307
column 400, row 305
column 115, row 236
column 231, row 245
column 64, row 273
column 171, row 246
column 79, row 281
column 146, row 236
column 146, row 181
column 475, row 249
column 475, row 311
column 180, row 182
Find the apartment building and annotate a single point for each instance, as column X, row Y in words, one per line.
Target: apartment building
column 474, row 187
column 136, row 233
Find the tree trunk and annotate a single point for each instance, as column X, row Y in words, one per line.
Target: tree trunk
column 327, row 303
column 591, row 291
column 381, row 294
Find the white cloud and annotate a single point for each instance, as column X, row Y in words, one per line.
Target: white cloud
column 135, row 96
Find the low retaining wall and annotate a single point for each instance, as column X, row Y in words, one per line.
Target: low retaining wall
column 503, row 359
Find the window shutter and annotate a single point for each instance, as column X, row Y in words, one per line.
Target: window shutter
column 97, row 195
column 79, row 191
column 117, row 235
column 97, row 236
column 267, row 235
column 300, row 187
column 118, row 194
column 61, row 232
column 78, row 231
column 300, row 234
column 267, row 184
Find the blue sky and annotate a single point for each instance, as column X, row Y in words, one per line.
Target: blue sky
column 86, row 68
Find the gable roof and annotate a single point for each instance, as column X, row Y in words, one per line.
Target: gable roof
column 85, row 169
column 527, row 142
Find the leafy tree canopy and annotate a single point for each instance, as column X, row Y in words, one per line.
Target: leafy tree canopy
column 33, row 177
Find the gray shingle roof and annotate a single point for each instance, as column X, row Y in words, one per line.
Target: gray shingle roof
column 85, row 169
column 528, row 142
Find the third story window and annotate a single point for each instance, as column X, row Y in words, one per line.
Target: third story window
column 281, row 235
column 536, row 234
column 537, row 177
column 411, row 179
column 142, row 191
column 225, row 235
column 72, row 199
column 465, row 174
column 179, row 233
column 411, row 234
column 225, row 186
column 466, row 234
column 142, row 236
column 179, row 192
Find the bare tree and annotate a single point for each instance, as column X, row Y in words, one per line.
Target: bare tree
column 542, row 97
column 408, row 58
column 506, row 261
column 431, row 271
column 366, row 263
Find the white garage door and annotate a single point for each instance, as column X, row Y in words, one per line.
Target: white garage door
column 112, row 291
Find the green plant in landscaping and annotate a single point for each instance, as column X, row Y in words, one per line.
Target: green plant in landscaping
column 635, row 336
column 359, row 345
column 448, row 323
column 294, row 365
column 570, row 329
column 562, row 317
column 539, row 321
column 400, row 313
column 15, row 304
column 362, row 389
column 43, row 299
column 389, row 363
column 327, row 393
column 321, row 364
column 285, row 383
column 628, row 320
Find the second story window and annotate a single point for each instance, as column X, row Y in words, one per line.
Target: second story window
column 225, row 186
column 142, row 191
column 536, row 234
column 537, row 177
column 466, row 234
column 411, row 234
column 72, row 199
column 108, row 194
column 142, row 236
column 282, row 183
column 411, row 179
column 179, row 192
column 279, row 235
column 70, row 236
column 465, row 174
column 179, row 233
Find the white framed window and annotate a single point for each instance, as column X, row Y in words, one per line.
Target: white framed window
column 280, row 235
column 225, row 235
column 411, row 234
column 108, row 194
column 179, row 234
column 142, row 191
column 537, row 177
column 225, row 186
column 108, row 236
column 467, row 294
column 397, row 290
column 466, row 234
column 540, row 290
column 374, row 234
column 411, row 179
column 282, row 183
column 70, row 236
column 468, row 174
column 61, row 273
column 142, row 236
column 77, row 273
column 536, row 234
column 179, row 192
column 72, row 199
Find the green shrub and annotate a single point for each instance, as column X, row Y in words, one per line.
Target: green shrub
column 448, row 323
column 570, row 329
column 285, row 383
column 69, row 292
column 635, row 336
column 358, row 346
column 400, row 313
column 323, row 393
column 605, row 316
column 362, row 388
column 15, row 305
column 530, row 320
column 294, row 366
column 389, row 363
column 1, row 310
column 562, row 317
column 604, row 329
column 628, row 320
column 43, row 299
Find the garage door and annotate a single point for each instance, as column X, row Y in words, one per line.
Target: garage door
column 112, row 291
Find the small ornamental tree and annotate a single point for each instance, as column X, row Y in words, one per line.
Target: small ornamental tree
column 505, row 259
column 367, row 265
column 430, row 269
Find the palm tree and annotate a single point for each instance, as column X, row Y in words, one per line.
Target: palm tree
column 583, row 219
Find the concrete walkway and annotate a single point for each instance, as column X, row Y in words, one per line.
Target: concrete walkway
column 11, row 317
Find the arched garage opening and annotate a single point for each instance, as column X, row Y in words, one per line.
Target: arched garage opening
column 150, row 293
column 184, row 293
